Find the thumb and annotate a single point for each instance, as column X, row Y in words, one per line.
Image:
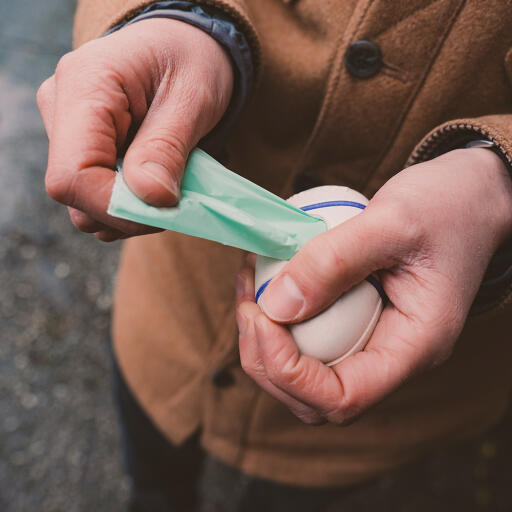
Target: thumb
column 330, row 264
column 154, row 163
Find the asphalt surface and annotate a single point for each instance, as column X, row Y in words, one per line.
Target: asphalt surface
column 58, row 433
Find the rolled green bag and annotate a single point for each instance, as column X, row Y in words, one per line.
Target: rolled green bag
column 218, row 204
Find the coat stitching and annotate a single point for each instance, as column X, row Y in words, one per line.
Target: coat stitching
column 335, row 66
column 414, row 93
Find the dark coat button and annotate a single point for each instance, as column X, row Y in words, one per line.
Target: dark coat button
column 222, row 378
column 305, row 181
column 363, row 59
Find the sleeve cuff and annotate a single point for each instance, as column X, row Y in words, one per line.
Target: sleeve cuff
column 224, row 31
column 456, row 134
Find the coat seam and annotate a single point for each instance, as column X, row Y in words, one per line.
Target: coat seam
column 333, row 78
column 414, row 94
column 390, row 27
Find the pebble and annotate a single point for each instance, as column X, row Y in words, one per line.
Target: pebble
column 11, row 424
column 28, row 252
column 62, row 270
column 29, row 400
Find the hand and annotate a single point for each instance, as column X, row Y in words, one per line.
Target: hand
column 430, row 231
column 152, row 89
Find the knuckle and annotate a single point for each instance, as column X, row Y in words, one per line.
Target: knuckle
column 292, row 374
column 42, row 92
column 345, row 410
column 160, row 146
column 390, row 218
column 441, row 356
column 310, row 418
column 347, row 420
column 107, row 235
column 58, row 187
column 82, row 222
column 344, row 414
column 171, row 146
column 66, row 64
column 83, row 70
column 255, row 371
column 130, row 228
column 282, row 367
column 253, row 368
column 248, row 366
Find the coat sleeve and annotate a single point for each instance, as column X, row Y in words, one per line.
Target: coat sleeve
column 496, row 289
column 454, row 134
column 94, row 18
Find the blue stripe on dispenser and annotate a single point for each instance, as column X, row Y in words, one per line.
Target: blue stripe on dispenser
column 261, row 289
column 326, row 204
column 376, row 284
column 371, row 279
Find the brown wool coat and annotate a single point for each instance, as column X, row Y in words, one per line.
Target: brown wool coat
column 447, row 71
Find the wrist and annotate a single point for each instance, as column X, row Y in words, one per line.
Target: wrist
column 179, row 44
column 232, row 37
column 498, row 188
column 190, row 64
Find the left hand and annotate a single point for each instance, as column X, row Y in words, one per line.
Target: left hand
column 430, row 231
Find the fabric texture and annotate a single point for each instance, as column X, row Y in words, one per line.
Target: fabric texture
column 446, row 67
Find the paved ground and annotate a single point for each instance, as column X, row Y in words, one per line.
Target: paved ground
column 58, row 440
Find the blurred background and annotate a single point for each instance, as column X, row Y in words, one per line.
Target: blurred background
column 58, row 433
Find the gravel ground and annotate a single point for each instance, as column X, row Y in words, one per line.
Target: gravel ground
column 58, row 438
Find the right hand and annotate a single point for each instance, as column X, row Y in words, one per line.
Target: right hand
column 152, row 89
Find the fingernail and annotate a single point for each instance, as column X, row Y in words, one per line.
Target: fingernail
column 282, row 301
column 162, row 176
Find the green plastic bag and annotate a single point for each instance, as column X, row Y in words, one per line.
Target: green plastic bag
column 219, row 205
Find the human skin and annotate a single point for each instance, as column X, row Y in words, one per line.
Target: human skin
column 430, row 236
column 152, row 89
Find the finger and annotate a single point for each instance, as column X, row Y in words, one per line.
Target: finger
column 89, row 119
column 84, row 222
column 249, row 352
column 304, row 378
column 398, row 349
column 109, row 235
column 244, row 284
column 250, row 260
column 254, row 366
column 332, row 263
column 46, row 102
column 154, row 163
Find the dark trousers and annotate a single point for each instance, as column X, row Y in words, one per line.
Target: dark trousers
column 184, row 478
